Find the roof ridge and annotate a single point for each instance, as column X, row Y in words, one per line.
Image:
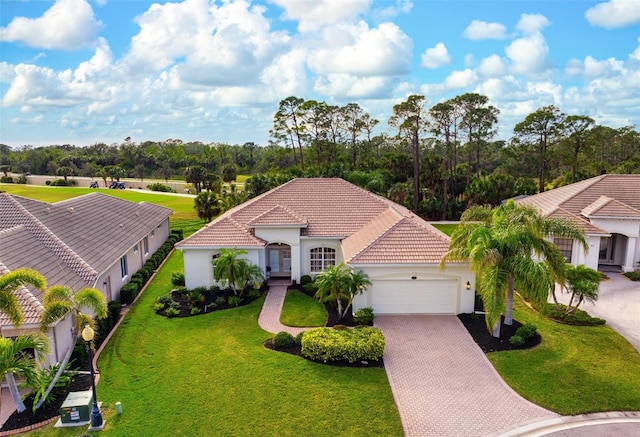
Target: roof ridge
column 57, row 246
column 381, row 234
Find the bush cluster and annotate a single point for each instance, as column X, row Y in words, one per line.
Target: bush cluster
column 61, row 183
column 364, row 316
column 634, row 275
column 7, row 179
column 106, row 325
column 577, row 317
column 177, row 279
column 130, row 290
column 522, row 334
column 160, row 187
column 283, row 340
column 327, row 344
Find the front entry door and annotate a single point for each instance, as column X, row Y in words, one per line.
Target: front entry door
column 607, row 250
column 280, row 261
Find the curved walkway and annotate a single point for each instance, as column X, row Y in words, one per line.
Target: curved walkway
column 269, row 318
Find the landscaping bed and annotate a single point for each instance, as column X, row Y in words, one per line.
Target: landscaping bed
column 81, row 382
column 477, row 327
column 189, row 303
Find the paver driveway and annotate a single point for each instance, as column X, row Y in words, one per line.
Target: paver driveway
column 442, row 382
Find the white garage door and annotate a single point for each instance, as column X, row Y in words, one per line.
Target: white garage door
column 413, row 297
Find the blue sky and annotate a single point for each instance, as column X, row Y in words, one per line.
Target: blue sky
column 86, row 71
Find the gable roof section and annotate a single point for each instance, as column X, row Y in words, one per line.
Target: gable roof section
column 580, row 221
column 607, row 207
column 278, row 216
column 372, row 229
column 585, row 197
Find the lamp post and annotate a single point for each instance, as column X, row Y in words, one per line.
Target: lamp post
column 96, row 416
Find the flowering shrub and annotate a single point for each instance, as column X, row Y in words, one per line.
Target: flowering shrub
column 327, row 344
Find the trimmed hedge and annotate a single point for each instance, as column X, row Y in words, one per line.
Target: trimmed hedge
column 128, row 293
column 327, row 344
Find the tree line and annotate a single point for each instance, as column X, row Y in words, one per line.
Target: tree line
column 436, row 160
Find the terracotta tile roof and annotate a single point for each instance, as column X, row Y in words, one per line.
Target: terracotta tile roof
column 582, row 223
column 607, row 207
column 575, row 197
column 331, row 208
column 276, row 217
column 225, row 232
column 30, row 300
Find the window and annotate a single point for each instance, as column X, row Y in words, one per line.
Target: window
column 135, row 249
column 153, row 233
column 321, row 258
column 124, row 269
column 145, row 242
column 213, row 261
column 565, row 245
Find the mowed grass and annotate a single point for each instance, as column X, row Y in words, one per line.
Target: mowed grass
column 210, row 375
column 575, row 370
column 184, row 215
column 447, row 228
column 300, row 310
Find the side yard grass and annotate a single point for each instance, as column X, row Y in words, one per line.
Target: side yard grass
column 300, row 310
column 210, row 375
column 575, row 369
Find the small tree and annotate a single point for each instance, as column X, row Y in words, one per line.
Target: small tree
column 207, row 204
column 339, row 283
column 235, row 272
column 583, row 283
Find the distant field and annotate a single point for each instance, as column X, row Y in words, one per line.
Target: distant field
column 447, row 228
column 184, row 215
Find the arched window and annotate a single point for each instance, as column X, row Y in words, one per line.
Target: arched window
column 321, row 258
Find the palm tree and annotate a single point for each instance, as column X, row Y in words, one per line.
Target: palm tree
column 230, row 269
column 15, row 360
column 10, row 283
column 583, row 283
column 340, row 283
column 58, row 302
column 207, row 205
column 500, row 245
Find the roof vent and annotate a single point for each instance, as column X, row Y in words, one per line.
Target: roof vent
column 47, row 209
column 71, row 210
column 121, row 225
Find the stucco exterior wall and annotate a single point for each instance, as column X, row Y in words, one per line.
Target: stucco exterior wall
column 198, row 267
column 310, row 243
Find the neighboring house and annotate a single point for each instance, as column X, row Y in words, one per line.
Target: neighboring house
column 607, row 207
column 94, row 240
column 305, row 225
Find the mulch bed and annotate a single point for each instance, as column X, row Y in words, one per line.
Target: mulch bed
column 219, row 298
column 477, row 327
column 81, row 382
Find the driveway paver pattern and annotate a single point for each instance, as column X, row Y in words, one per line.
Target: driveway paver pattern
column 443, row 383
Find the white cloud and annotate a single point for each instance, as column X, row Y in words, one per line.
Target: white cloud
column 492, row 66
column 68, row 25
column 393, row 10
column 312, row 15
column 7, row 72
column 461, row 79
column 361, row 51
column 532, row 23
column 478, row 30
column 614, row 14
column 529, row 55
column 436, row 56
column 636, row 53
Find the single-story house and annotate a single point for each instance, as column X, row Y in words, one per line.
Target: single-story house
column 607, row 208
column 95, row 241
column 305, row 225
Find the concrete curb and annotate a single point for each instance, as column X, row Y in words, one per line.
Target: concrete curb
column 545, row 427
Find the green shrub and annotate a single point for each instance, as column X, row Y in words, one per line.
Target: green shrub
column 234, row 301
column 158, row 307
column 364, row 316
column 165, row 299
column 212, row 305
column 326, row 344
column 9, row 180
column 145, row 273
column 114, row 308
column 220, row 300
column 160, row 187
column 254, row 293
column 526, row 331
column 178, row 233
column 175, row 305
column 172, row 312
column 128, row 293
column 578, row 317
column 195, row 311
column 196, row 295
column 283, row 340
column 151, row 264
column 305, row 279
column 516, row 340
column 182, row 290
column 634, row 276
column 298, row 338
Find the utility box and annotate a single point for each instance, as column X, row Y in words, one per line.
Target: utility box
column 77, row 407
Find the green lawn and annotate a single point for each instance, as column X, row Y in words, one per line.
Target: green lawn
column 210, row 375
column 302, row 311
column 575, row 369
column 184, row 215
column 447, row 228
